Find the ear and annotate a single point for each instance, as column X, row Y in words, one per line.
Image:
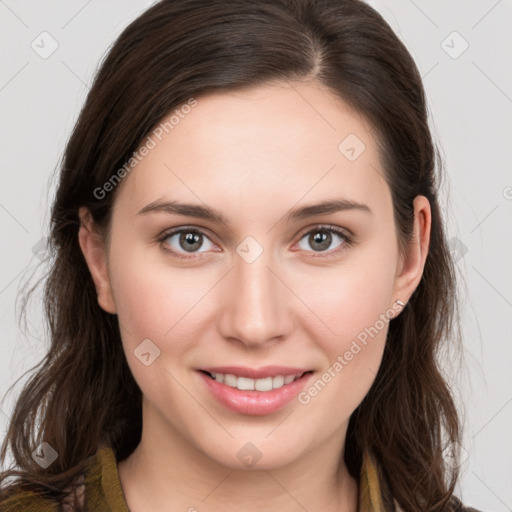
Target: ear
column 94, row 251
column 410, row 266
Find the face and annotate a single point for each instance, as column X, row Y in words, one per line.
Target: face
column 264, row 287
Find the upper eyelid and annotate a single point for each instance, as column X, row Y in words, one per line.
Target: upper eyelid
column 174, row 231
column 326, row 227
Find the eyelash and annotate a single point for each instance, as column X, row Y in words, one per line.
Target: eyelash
column 347, row 240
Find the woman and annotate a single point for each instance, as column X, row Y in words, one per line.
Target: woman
column 251, row 280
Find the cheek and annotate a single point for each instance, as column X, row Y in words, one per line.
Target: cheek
column 351, row 310
column 155, row 301
column 352, row 354
column 162, row 305
column 345, row 301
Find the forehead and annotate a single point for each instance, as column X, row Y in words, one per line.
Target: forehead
column 262, row 147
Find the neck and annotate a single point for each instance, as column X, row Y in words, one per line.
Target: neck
column 167, row 472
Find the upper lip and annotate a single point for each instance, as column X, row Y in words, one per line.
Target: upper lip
column 256, row 373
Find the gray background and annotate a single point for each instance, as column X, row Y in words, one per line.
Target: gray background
column 470, row 97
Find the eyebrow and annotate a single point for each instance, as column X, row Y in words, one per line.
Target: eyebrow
column 210, row 214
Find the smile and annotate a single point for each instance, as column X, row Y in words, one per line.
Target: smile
column 262, row 392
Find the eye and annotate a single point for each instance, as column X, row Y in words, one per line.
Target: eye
column 185, row 240
column 321, row 239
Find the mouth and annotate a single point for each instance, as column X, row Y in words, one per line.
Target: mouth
column 266, row 391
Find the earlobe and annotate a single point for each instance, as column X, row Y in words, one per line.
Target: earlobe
column 411, row 265
column 93, row 249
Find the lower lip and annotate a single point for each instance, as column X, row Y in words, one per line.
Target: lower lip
column 255, row 403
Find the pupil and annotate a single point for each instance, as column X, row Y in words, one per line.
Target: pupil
column 322, row 238
column 190, row 241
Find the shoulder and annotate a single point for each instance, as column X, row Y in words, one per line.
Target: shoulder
column 455, row 506
column 29, row 500
column 98, row 487
column 20, row 500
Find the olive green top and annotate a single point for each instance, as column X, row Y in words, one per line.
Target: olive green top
column 103, row 491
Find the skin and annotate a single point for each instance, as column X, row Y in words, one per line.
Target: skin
column 253, row 155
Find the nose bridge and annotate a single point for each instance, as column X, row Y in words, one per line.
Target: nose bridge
column 255, row 310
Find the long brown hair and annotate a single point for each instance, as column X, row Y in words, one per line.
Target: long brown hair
column 83, row 391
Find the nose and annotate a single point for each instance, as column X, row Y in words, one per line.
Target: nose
column 256, row 304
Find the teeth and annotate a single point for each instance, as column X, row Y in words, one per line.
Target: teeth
column 289, row 378
column 263, row 384
column 278, row 381
column 244, row 383
column 229, row 380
